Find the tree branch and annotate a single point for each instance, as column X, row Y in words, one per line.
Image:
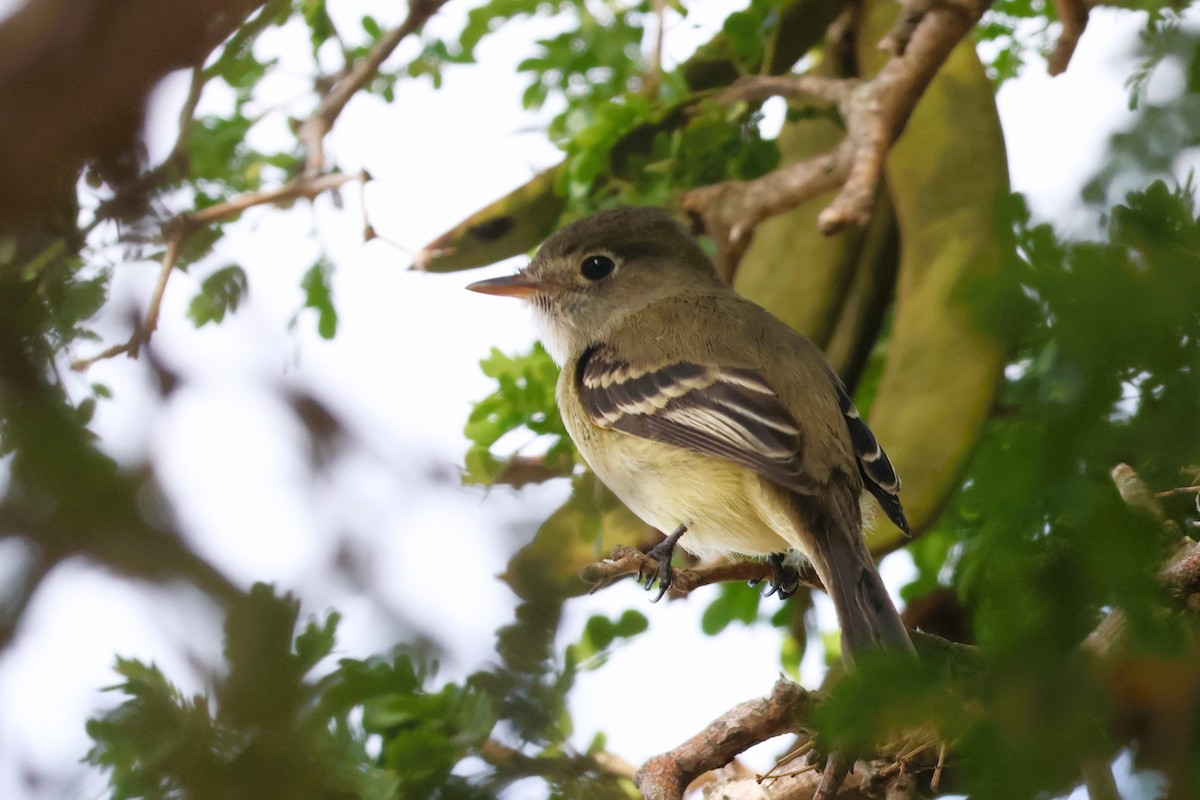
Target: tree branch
column 313, row 130
column 626, row 560
column 178, row 229
column 874, row 112
column 1074, row 17
column 666, row 777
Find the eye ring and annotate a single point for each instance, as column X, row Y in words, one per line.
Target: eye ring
column 597, row 267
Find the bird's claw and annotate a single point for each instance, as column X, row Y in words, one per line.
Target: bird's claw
column 665, row 575
column 785, row 580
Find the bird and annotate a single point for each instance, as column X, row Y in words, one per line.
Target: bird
column 709, row 417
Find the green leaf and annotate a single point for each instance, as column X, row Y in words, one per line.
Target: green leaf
column 631, row 624
column 524, row 399
column 735, row 602
column 220, row 293
column 320, row 26
column 600, row 632
column 318, row 295
column 371, row 27
column 316, row 642
column 86, row 410
column 745, row 36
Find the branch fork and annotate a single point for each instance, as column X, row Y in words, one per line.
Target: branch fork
column 874, row 113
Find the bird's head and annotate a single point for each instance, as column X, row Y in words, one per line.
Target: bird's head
column 593, row 273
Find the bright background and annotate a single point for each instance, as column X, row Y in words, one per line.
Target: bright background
column 402, row 375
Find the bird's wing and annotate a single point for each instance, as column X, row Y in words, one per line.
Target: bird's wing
column 727, row 412
column 879, row 476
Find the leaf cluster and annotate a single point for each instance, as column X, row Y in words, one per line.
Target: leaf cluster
column 1038, row 543
column 283, row 722
column 523, row 400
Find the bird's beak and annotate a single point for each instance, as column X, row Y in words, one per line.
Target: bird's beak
column 518, row 285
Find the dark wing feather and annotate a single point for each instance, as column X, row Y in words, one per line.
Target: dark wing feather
column 727, row 412
column 879, row 476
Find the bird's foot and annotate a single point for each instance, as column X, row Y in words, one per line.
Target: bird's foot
column 662, row 553
column 785, row 579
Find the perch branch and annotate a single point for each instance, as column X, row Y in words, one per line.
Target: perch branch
column 313, row 130
column 874, row 112
column 626, row 560
column 178, row 229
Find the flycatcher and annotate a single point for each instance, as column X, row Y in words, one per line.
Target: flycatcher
column 709, row 417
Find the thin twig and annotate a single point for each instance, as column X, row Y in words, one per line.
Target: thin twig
column 936, row 780
column 178, row 229
column 303, row 187
column 187, row 114
column 1178, row 490
column 312, row 131
column 654, row 73
column 150, row 323
column 802, row 749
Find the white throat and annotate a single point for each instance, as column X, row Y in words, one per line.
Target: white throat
column 553, row 332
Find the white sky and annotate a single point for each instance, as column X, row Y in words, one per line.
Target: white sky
column 237, row 468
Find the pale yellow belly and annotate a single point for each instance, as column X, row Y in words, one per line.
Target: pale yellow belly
column 726, row 508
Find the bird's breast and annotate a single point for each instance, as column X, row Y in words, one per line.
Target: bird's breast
column 727, row 508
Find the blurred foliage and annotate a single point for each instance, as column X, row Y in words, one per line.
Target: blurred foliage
column 282, row 721
column 220, row 293
column 1167, row 126
column 1109, row 373
column 318, row 296
column 1035, row 547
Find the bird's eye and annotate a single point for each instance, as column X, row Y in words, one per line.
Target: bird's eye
column 595, row 268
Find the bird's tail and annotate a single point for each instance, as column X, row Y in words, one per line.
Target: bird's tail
column 840, row 556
